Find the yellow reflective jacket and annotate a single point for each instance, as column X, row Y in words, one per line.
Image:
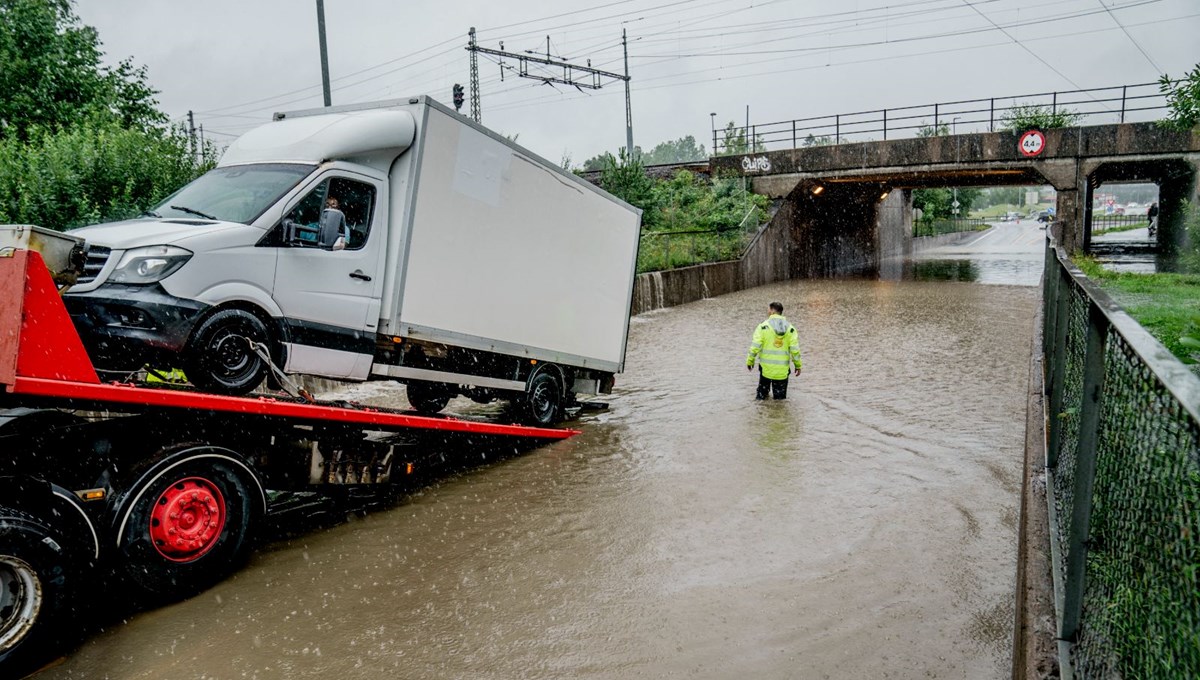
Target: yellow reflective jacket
column 776, row 345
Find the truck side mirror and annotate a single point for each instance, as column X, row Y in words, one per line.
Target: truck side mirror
column 289, row 230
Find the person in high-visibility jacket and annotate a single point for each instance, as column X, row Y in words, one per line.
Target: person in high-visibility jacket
column 776, row 346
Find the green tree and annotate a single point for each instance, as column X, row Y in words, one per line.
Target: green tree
column 1183, row 100
column 625, row 178
column 1035, row 116
column 939, row 130
column 938, row 203
column 735, row 141
column 79, row 143
column 52, row 74
column 682, row 150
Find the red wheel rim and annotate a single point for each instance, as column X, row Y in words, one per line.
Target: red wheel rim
column 187, row 519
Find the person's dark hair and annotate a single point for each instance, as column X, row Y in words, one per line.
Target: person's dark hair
column 776, row 307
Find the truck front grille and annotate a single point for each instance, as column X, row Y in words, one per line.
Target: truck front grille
column 97, row 257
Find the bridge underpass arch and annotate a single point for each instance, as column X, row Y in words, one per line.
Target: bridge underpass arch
column 1176, row 179
column 862, row 224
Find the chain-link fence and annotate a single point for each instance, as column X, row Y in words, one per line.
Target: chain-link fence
column 1123, row 459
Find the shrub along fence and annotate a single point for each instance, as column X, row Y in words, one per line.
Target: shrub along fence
column 1123, row 480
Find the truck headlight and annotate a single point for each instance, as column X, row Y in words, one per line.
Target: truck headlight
column 149, row 265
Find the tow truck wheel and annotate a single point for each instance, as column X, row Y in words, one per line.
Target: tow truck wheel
column 427, row 398
column 219, row 358
column 34, row 579
column 543, row 402
column 184, row 527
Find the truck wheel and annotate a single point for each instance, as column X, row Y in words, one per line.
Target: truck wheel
column 184, row 528
column 35, row 577
column 218, row 357
column 427, row 398
column 543, row 401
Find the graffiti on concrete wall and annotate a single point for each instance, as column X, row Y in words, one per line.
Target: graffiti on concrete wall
column 756, row 164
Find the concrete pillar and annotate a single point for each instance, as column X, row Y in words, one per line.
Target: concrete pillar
column 1071, row 218
column 894, row 228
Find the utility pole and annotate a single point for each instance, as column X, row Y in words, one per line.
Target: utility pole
column 202, row 142
column 192, row 135
column 476, row 114
column 324, row 51
column 628, row 109
column 568, row 77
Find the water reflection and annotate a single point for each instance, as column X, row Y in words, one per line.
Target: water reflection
column 945, row 270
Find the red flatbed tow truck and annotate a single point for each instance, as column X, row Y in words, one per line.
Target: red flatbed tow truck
column 156, row 487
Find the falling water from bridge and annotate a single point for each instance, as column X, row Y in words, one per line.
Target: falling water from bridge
column 865, row 527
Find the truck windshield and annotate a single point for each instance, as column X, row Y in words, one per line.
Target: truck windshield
column 237, row 193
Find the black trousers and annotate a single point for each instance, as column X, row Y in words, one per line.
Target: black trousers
column 777, row 388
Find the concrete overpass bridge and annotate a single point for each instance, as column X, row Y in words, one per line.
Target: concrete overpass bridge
column 848, row 177
column 856, row 198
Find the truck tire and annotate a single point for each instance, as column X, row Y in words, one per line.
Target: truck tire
column 187, row 523
column 543, row 400
column 36, row 582
column 218, row 358
column 427, row 398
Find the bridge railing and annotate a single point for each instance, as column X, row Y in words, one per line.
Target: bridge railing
column 1097, row 106
column 1123, row 487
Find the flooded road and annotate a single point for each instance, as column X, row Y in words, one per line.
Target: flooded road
column 865, row 527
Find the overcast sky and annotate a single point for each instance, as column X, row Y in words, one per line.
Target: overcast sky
column 236, row 62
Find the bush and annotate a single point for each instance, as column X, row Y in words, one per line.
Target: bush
column 1036, row 117
column 96, row 171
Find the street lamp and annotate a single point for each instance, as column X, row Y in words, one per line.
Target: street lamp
column 712, row 123
column 954, row 205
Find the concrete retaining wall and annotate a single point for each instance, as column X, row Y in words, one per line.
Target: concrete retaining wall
column 766, row 261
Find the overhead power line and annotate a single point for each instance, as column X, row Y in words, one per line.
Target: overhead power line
column 1127, row 35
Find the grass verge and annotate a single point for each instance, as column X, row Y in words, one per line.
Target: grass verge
column 1167, row 305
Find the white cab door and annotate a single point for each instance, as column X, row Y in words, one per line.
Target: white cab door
column 330, row 298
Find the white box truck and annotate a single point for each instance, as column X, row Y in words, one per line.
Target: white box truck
column 394, row 240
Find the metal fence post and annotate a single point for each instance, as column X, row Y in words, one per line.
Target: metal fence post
column 1056, row 355
column 1124, row 88
column 1085, row 474
column 935, row 120
column 885, row 125
column 753, row 146
column 667, row 255
column 793, row 134
column 837, row 129
column 1054, row 103
column 992, row 116
column 714, row 146
column 1049, row 314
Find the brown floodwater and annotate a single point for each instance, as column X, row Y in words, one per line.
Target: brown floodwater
column 865, row 527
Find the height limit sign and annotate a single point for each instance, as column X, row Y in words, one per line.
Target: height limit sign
column 1032, row 143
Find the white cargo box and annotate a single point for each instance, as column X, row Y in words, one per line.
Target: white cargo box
column 503, row 251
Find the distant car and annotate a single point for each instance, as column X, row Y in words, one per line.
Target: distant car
column 1011, row 215
column 1045, row 216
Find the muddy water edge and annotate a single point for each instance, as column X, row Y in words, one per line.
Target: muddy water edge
column 865, row 527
